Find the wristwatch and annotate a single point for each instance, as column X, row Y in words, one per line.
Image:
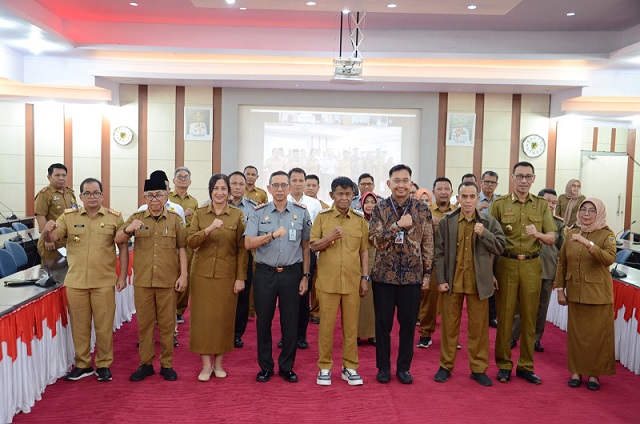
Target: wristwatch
column 366, row 277
column 307, row 274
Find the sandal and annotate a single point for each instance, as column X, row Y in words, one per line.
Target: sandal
column 205, row 375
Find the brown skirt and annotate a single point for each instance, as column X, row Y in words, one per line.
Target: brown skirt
column 367, row 319
column 591, row 339
column 212, row 315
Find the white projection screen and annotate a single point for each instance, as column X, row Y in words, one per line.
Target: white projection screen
column 329, row 142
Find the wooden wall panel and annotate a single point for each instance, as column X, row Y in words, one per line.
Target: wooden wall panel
column 216, row 151
column 180, row 101
column 552, row 139
column 68, row 144
column 477, row 142
column 143, row 109
column 631, row 151
column 29, row 155
column 105, row 159
column 516, row 115
column 441, row 164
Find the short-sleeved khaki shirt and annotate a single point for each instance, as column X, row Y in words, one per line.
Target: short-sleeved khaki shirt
column 51, row 203
column 258, row 195
column 155, row 256
column 437, row 214
column 339, row 267
column 514, row 216
column 91, row 251
column 186, row 203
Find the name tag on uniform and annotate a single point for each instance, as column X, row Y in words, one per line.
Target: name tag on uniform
column 78, row 226
column 292, row 234
column 400, row 238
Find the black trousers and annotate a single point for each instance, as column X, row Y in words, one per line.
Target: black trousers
column 242, row 310
column 270, row 287
column 305, row 308
column 493, row 314
column 386, row 298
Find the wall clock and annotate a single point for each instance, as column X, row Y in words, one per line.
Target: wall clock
column 122, row 135
column 533, row 145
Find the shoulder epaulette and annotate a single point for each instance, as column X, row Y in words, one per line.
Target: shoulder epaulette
column 114, row 212
column 70, row 189
column 252, row 202
column 43, row 189
column 357, row 212
column 260, row 206
column 504, row 196
column 325, row 210
column 70, row 210
column 558, row 218
column 300, row 205
column 172, row 210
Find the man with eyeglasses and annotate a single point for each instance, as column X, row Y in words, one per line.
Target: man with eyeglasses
column 280, row 232
column 171, row 206
column 160, row 267
column 89, row 234
column 179, row 196
column 401, row 230
column 488, row 186
column 237, row 199
column 50, row 203
column 526, row 222
column 366, row 184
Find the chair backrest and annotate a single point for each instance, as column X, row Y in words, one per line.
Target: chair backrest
column 7, row 264
column 6, row 230
column 623, row 256
column 17, row 253
column 19, row 226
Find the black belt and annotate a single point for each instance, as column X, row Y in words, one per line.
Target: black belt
column 520, row 257
column 278, row 268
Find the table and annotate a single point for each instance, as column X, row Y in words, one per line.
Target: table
column 27, row 220
column 626, row 306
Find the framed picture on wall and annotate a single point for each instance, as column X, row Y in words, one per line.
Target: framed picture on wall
column 198, row 123
column 461, row 129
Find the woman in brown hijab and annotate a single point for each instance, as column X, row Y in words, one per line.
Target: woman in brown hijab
column 424, row 195
column 366, row 319
column 568, row 203
column 584, row 283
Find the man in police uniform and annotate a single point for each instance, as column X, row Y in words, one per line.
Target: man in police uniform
column 160, row 266
column 179, row 196
column 50, row 203
column 442, row 191
column 342, row 236
column 238, row 183
column 252, row 191
column 279, row 231
column 527, row 223
column 90, row 281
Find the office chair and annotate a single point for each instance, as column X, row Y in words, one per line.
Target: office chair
column 6, row 230
column 623, row 256
column 7, row 264
column 17, row 253
column 19, row 226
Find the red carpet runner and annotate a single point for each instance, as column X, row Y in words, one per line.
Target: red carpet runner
column 239, row 398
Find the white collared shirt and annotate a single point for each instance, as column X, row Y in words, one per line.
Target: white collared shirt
column 313, row 205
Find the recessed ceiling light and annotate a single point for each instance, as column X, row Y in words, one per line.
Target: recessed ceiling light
column 345, row 11
column 472, row 7
column 243, row 8
column 133, row 4
column 230, row 1
column 571, row 14
column 311, row 3
column 392, row 5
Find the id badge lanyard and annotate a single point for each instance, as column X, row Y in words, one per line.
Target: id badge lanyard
column 400, row 235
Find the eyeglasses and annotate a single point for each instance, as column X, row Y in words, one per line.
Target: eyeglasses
column 399, row 181
column 183, row 177
column 276, row 186
column 151, row 196
column 586, row 211
column 487, row 182
column 366, row 184
column 527, row 177
column 92, row 195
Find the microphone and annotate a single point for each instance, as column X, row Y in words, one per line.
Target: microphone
column 628, row 227
column 617, row 274
column 18, row 237
column 35, row 257
column 48, row 280
column 12, row 217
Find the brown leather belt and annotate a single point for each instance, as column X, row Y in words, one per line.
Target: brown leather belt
column 278, row 268
column 520, row 257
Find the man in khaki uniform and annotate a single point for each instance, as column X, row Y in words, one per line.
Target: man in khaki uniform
column 442, row 191
column 90, row 232
column 341, row 235
column 527, row 223
column 160, row 266
column 465, row 244
column 179, row 195
column 253, row 192
column 50, row 203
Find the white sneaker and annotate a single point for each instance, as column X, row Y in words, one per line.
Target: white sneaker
column 324, row 378
column 352, row 377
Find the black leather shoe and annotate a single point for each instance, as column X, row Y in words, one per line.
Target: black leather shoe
column 482, row 379
column 264, row 376
column 442, row 375
column 383, row 376
column 303, row 343
column 514, row 343
column 529, row 376
column 288, row 376
column 143, row 372
column 575, row 382
column 538, row 346
column 175, row 341
column 504, row 376
column 593, row 385
column 280, row 344
column 404, row 377
column 169, row 374
column 493, row 323
column 314, row 320
column 237, row 342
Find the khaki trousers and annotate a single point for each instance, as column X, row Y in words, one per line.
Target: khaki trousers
column 428, row 311
column 329, row 304
column 478, row 328
column 518, row 284
column 154, row 303
column 183, row 297
column 85, row 304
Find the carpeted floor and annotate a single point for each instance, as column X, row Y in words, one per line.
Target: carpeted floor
column 239, row 398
